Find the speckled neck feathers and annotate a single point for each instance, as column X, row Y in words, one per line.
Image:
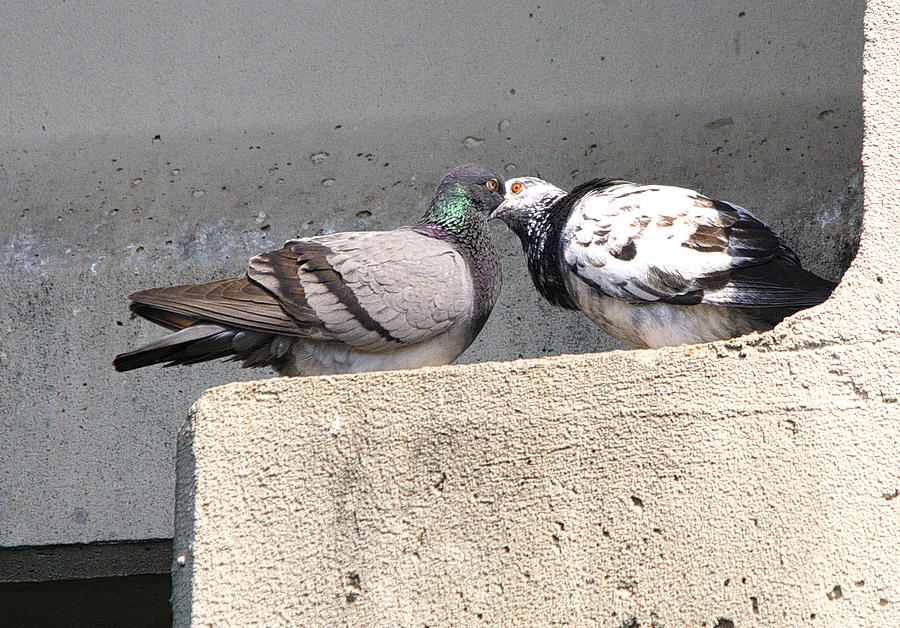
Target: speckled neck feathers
column 452, row 216
column 542, row 242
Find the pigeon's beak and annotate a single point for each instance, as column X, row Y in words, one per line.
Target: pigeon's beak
column 497, row 213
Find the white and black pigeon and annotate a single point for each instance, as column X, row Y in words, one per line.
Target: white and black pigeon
column 345, row 302
column 655, row 265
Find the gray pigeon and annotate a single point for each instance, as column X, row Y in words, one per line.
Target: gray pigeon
column 655, row 265
column 345, row 302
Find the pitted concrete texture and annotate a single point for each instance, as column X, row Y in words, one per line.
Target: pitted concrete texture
column 748, row 482
column 149, row 145
column 675, row 487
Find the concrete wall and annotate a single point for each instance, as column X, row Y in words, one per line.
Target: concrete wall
column 747, row 482
column 676, row 487
column 756, row 103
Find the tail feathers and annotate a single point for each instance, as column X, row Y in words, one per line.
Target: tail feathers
column 800, row 289
column 775, row 284
column 202, row 342
column 198, row 343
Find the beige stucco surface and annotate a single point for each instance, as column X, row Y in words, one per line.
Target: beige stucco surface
column 754, row 481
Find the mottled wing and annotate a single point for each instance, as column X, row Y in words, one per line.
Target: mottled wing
column 375, row 291
column 665, row 244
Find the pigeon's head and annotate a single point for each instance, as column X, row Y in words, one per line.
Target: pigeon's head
column 468, row 189
column 527, row 204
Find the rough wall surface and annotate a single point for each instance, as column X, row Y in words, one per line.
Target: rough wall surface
column 748, row 482
column 148, row 145
column 678, row 487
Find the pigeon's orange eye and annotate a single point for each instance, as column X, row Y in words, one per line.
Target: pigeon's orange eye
column 515, row 188
column 492, row 184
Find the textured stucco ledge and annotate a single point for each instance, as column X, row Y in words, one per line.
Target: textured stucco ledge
column 679, row 486
column 755, row 481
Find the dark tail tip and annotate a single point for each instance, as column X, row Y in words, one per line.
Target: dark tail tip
column 130, row 361
column 197, row 343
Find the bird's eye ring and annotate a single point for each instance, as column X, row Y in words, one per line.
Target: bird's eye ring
column 515, row 188
column 492, row 184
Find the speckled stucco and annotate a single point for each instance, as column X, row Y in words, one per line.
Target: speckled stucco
column 748, row 482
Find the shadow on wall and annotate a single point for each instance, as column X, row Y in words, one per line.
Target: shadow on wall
column 123, row 601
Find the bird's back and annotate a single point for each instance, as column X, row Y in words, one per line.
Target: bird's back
column 658, row 265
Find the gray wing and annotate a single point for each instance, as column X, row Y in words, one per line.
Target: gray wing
column 374, row 291
column 665, row 244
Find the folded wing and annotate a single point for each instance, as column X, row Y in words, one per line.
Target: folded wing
column 665, row 244
column 373, row 291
